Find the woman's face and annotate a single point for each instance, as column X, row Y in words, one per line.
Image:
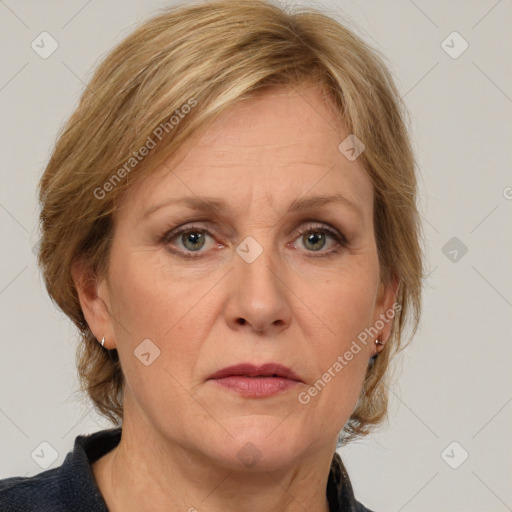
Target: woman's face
column 256, row 279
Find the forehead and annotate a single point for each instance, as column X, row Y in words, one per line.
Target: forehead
column 273, row 148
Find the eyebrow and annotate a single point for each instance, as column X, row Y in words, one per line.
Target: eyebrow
column 219, row 206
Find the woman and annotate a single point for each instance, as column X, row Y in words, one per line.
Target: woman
column 229, row 217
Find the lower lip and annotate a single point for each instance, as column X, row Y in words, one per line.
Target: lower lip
column 256, row 387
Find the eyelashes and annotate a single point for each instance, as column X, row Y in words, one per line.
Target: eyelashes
column 197, row 238
column 339, row 239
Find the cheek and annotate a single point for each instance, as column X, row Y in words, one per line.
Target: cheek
column 341, row 362
column 345, row 302
column 346, row 308
column 149, row 299
column 152, row 302
column 148, row 304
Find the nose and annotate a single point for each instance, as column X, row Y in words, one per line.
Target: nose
column 259, row 297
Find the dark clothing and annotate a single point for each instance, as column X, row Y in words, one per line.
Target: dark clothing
column 71, row 487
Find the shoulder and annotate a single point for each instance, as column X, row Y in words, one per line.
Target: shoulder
column 20, row 494
column 361, row 508
column 70, row 486
column 340, row 493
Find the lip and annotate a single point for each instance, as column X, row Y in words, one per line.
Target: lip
column 250, row 370
column 256, row 381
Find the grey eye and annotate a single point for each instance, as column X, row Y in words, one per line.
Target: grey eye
column 314, row 241
column 193, row 240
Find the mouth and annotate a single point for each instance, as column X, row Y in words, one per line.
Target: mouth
column 268, row 370
column 256, row 381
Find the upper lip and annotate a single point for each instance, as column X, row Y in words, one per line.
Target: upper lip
column 250, row 370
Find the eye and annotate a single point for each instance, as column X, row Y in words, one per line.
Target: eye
column 194, row 241
column 316, row 238
column 189, row 241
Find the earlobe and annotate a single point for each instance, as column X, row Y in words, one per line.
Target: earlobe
column 94, row 308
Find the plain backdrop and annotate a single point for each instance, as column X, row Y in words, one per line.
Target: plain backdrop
column 453, row 397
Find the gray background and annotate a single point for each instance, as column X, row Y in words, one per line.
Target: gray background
column 455, row 382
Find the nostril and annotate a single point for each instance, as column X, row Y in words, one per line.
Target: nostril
column 241, row 321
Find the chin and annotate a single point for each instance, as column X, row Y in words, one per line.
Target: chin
column 261, row 443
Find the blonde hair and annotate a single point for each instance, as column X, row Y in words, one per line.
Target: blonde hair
column 208, row 57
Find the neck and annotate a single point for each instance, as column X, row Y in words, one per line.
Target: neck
column 143, row 472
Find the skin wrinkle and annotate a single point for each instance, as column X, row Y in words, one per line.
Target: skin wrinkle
column 182, row 433
column 214, row 204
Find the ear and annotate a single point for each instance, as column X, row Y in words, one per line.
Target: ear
column 94, row 299
column 385, row 307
